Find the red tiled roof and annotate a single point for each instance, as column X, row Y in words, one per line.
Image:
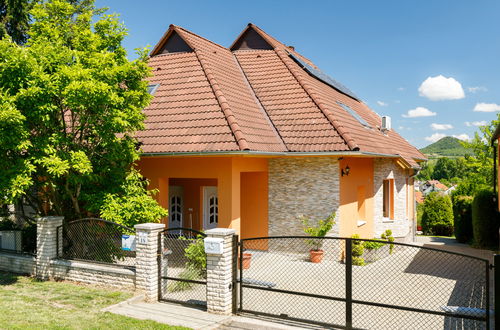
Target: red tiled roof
column 419, row 197
column 215, row 99
column 437, row 184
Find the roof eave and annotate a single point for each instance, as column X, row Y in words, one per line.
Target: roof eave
column 270, row 153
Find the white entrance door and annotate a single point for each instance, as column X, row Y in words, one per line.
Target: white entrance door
column 175, row 205
column 210, row 207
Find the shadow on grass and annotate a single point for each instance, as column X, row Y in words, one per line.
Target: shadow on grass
column 8, row 278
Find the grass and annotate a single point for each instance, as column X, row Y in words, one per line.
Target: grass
column 28, row 303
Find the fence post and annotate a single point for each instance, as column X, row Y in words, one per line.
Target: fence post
column 146, row 264
column 496, row 283
column 348, row 283
column 220, row 273
column 46, row 244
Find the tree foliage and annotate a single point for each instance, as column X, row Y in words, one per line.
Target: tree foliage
column 437, row 216
column 485, row 219
column 70, row 103
column 14, row 19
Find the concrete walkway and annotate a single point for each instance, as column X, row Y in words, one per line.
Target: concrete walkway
column 451, row 244
column 190, row 317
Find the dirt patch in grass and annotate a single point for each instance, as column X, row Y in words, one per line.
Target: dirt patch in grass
column 28, row 303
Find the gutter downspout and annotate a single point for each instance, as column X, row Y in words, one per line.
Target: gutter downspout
column 414, row 206
column 495, row 173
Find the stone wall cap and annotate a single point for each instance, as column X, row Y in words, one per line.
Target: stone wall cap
column 220, row 232
column 150, row 226
column 50, row 218
column 92, row 267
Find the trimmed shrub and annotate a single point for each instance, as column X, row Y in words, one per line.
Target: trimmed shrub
column 485, row 220
column 462, row 217
column 437, row 215
column 357, row 251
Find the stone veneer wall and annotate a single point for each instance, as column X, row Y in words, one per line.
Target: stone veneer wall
column 385, row 168
column 90, row 273
column 84, row 272
column 17, row 263
column 302, row 186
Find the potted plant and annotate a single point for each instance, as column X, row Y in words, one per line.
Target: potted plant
column 247, row 257
column 320, row 230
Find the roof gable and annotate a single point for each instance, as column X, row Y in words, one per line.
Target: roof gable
column 250, row 40
column 174, row 44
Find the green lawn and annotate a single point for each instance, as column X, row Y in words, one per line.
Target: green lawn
column 28, row 303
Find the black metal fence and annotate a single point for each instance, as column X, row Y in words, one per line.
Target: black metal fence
column 17, row 236
column 182, row 267
column 362, row 284
column 98, row 241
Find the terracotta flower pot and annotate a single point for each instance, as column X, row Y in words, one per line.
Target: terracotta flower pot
column 316, row 256
column 247, row 257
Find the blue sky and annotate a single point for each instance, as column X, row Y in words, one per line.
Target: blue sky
column 382, row 50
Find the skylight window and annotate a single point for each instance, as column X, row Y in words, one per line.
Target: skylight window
column 354, row 114
column 320, row 75
column 152, row 88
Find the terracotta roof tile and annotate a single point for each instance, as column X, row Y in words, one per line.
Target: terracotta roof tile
column 212, row 99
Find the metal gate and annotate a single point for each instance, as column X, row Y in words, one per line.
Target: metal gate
column 182, row 267
column 368, row 284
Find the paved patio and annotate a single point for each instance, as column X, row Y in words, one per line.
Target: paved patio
column 410, row 277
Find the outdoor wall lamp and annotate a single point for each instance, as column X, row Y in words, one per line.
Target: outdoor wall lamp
column 345, row 171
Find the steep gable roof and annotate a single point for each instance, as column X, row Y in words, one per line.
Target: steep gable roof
column 258, row 95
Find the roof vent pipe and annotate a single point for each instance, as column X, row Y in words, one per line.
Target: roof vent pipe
column 386, row 123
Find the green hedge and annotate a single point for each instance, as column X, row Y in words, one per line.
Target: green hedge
column 485, row 219
column 437, row 215
column 462, row 216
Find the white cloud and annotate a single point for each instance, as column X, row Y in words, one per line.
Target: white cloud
column 487, row 107
column 419, row 112
column 397, row 101
column 476, row 123
column 441, row 88
column 401, row 89
column 463, row 137
column 441, row 127
column 435, row 137
column 476, row 89
column 381, row 103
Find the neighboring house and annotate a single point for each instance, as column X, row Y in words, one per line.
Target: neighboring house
column 432, row 185
column 419, row 197
column 252, row 136
column 450, row 190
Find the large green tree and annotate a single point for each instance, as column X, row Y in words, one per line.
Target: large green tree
column 70, row 103
column 14, row 19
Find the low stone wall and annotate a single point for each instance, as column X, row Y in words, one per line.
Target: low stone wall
column 17, row 263
column 90, row 273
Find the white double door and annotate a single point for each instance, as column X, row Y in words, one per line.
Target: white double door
column 210, row 211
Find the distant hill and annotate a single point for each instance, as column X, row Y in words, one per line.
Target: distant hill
column 447, row 147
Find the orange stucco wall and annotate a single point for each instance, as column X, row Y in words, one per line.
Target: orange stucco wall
column 226, row 170
column 254, row 205
column 353, row 207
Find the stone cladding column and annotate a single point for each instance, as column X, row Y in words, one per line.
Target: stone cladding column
column 220, row 273
column 46, row 244
column 146, row 264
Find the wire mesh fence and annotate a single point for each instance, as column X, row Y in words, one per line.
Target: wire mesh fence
column 183, row 267
column 98, row 241
column 17, row 234
column 362, row 283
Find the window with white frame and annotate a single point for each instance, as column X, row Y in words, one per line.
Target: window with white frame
column 388, row 202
